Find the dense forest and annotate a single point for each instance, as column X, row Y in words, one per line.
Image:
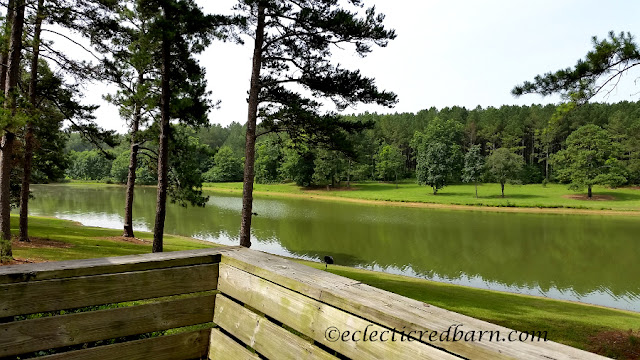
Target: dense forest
column 392, row 144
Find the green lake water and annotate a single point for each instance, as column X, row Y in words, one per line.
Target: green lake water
column 592, row 259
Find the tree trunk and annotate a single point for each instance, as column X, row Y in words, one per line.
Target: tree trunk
column 435, row 190
column 349, row 175
column 476, row 190
column 250, row 146
column 546, row 166
column 502, row 187
column 373, row 167
column 13, row 74
column 4, row 54
column 589, row 192
column 163, row 143
column 29, row 136
column 396, row 180
column 133, row 166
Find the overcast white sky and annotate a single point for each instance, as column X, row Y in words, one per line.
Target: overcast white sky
column 448, row 52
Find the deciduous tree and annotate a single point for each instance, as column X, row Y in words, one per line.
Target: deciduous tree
column 589, row 159
column 436, row 163
column 390, row 163
column 503, row 165
column 473, row 166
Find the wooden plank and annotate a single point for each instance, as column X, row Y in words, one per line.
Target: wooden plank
column 223, row 347
column 267, row 338
column 313, row 318
column 74, row 268
column 392, row 310
column 51, row 295
column 22, row 337
column 185, row 346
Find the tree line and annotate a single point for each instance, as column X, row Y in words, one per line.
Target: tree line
column 524, row 144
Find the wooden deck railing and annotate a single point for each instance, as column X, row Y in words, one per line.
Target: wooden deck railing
column 262, row 306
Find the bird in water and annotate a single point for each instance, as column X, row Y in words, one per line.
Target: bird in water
column 327, row 260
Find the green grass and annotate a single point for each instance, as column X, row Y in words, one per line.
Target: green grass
column 566, row 322
column 90, row 242
column 534, row 196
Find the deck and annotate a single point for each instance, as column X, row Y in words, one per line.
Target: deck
column 230, row 303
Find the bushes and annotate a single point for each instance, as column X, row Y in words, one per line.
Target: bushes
column 88, row 165
column 227, row 167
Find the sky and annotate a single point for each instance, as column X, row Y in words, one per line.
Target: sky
column 447, row 53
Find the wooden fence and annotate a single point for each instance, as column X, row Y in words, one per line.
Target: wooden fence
column 228, row 303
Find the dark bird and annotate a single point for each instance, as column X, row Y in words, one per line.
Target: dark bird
column 327, row 260
column 254, row 213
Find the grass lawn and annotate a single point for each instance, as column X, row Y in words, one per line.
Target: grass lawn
column 72, row 241
column 569, row 323
column 534, row 196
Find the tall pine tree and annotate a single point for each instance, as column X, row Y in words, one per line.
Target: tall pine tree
column 180, row 30
column 293, row 44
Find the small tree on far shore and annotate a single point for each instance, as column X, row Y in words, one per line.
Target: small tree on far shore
column 589, row 159
column 503, row 166
column 390, row 163
column 436, row 164
column 473, row 166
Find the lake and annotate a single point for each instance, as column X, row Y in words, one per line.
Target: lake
column 592, row 259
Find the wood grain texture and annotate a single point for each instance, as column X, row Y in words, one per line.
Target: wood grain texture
column 313, row 318
column 185, row 346
column 392, row 310
column 222, row 347
column 22, row 337
column 267, row 338
column 111, row 265
column 69, row 293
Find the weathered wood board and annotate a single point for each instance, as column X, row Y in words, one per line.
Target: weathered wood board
column 51, row 295
column 314, row 319
column 222, row 347
column 392, row 310
column 21, row 337
column 185, row 346
column 110, row 265
column 267, row 338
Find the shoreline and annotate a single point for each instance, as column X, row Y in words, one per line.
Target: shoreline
column 146, row 239
column 573, row 323
column 437, row 206
column 314, row 195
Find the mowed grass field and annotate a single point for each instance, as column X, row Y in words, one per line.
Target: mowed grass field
column 570, row 323
column 532, row 196
column 55, row 239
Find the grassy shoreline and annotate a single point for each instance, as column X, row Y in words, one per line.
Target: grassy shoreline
column 566, row 322
column 552, row 199
column 534, row 198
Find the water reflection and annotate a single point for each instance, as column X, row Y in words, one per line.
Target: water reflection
column 586, row 258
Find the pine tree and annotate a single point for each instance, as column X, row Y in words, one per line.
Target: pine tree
column 180, row 30
column 10, row 124
column 598, row 72
column 293, row 41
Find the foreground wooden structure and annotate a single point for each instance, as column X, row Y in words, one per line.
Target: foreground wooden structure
column 262, row 306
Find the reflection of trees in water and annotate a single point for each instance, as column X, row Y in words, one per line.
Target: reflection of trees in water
column 582, row 253
column 521, row 250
